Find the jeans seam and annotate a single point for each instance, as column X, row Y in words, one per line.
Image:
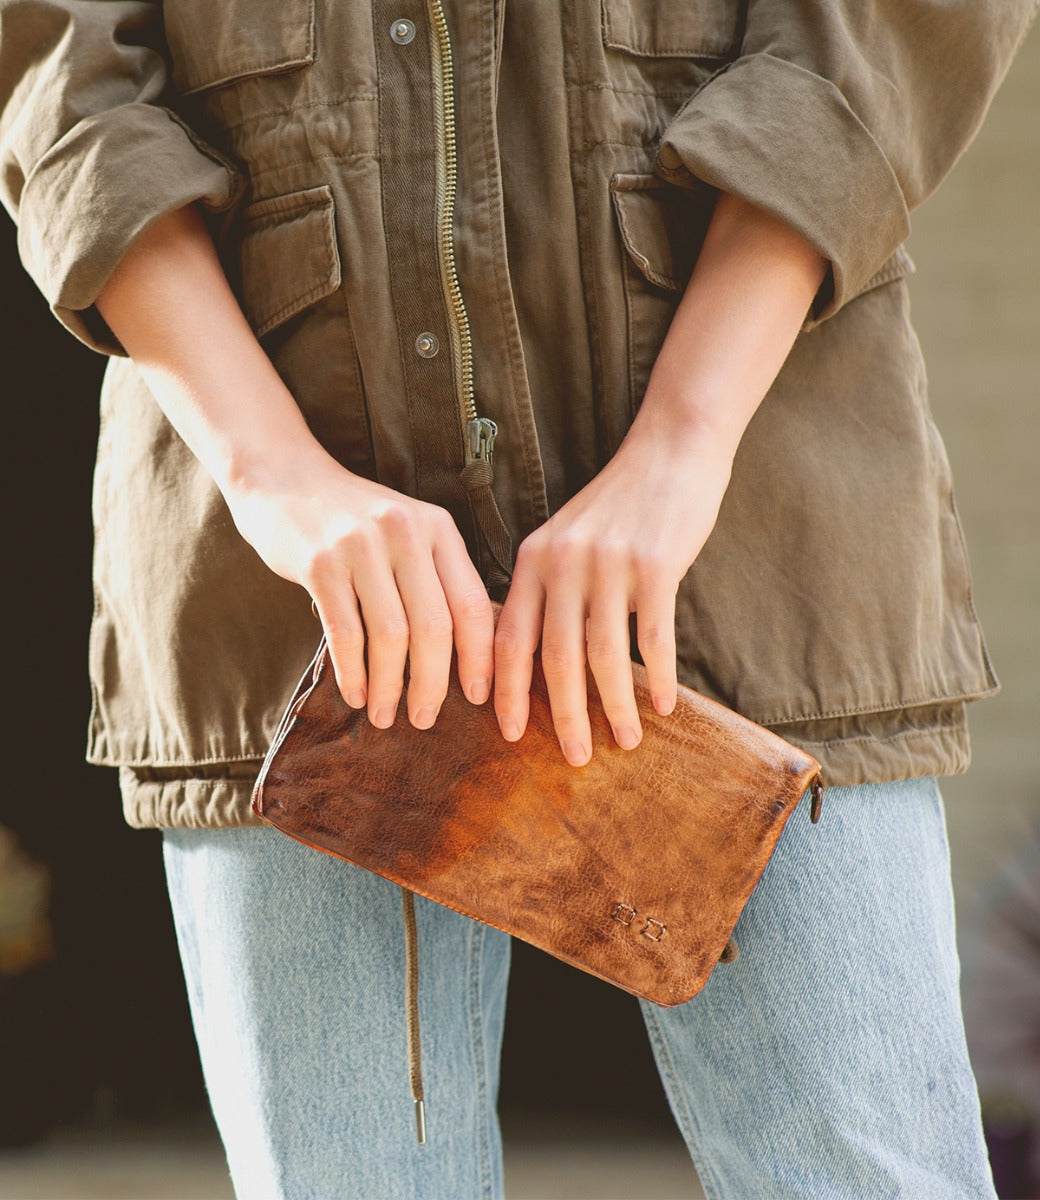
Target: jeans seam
column 476, row 943
column 683, row 1114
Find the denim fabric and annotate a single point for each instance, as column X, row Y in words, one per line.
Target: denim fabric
column 828, row 1061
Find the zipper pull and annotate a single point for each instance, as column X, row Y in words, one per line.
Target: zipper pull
column 816, row 787
column 481, row 434
column 494, row 544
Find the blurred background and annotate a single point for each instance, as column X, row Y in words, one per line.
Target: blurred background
column 100, row 1092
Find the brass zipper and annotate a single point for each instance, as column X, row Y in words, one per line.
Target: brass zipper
column 480, row 431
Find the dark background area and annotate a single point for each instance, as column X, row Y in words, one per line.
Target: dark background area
column 101, row 1030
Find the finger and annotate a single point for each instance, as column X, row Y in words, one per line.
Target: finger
column 429, row 637
column 472, row 617
column 345, row 635
column 655, row 636
column 387, row 627
column 563, row 662
column 610, row 660
column 516, row 642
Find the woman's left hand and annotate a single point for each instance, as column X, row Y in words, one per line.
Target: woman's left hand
column 620, row 546
column 624, row 542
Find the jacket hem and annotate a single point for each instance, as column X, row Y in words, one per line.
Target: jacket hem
column 929, row 712
column 220, row 797
column 912, row 754
column 152, row 800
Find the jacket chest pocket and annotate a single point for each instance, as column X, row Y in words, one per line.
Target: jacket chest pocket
column 289, row 258
column 674, row 28
column 290, row 285
column 661, row 229
column 215, row 43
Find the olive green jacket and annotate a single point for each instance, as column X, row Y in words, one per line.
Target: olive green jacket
column 583, row 143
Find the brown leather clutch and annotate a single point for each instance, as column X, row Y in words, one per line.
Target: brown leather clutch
column 634, row 868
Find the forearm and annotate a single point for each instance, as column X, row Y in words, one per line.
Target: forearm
column 625, row 541
column 389, row 574
column 171, row 307
column 742, row 309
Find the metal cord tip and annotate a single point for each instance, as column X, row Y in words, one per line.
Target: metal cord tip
column 420, row 1121
column 817, row 799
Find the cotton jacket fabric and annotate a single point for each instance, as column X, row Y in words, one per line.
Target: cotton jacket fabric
column 832, row 601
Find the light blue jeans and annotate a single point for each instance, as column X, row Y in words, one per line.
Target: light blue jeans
column 828, row 1062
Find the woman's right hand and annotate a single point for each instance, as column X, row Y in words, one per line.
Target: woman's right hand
column 389, row 575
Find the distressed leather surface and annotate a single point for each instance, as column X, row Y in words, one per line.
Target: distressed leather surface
column 634, row 868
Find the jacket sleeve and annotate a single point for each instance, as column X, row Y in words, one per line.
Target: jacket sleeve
column 88, row 154
column 841, row 116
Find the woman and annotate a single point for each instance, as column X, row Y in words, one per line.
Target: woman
column 594, row 281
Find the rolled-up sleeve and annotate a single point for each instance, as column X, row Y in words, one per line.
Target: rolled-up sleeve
column 841, row 117
column 89, row 155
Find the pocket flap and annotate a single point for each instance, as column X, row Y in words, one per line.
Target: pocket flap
column 661, row 227
column 289, row 256
column 213, row 44
column 670, row 29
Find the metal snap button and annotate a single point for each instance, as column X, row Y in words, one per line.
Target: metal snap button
column 402, row 31
column 427, row 345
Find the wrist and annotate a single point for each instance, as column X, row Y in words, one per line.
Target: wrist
column 279, row 456
column 688, row 423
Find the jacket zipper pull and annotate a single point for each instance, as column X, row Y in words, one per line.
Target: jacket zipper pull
column 494, row 544
column 481, row 435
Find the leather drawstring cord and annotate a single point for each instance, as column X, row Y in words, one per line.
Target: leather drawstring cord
column 495, row 546
column 411, row 951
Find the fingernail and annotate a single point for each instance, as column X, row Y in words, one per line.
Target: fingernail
column 479, row 690
column 663, row 705
column 627, row 737
column 384, row 717
column 510, row 728
column 576, row 753
column 356, row 698
column 426, row 716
